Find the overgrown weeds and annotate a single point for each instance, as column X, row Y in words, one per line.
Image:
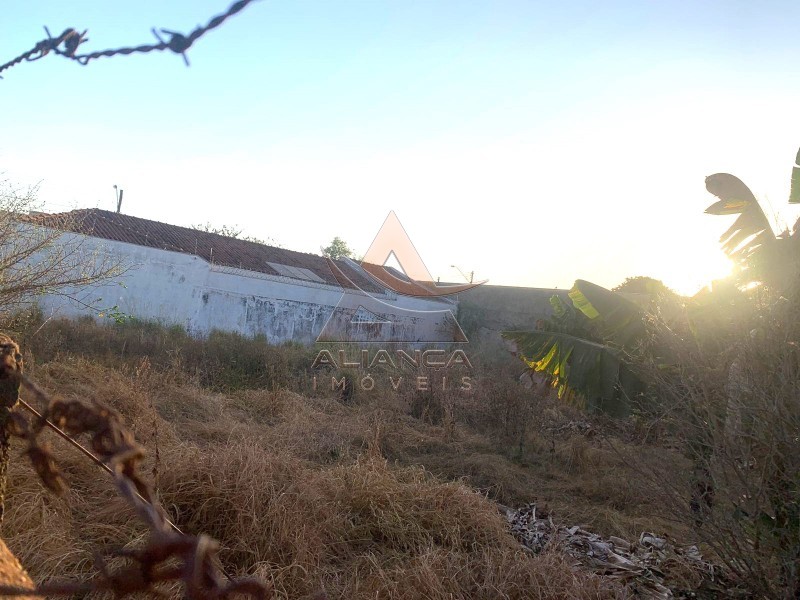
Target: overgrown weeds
column 255, row 469
column 358, row 498
column 222, row 361
column 735, row 415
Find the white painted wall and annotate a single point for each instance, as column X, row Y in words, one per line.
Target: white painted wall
column 174, row 288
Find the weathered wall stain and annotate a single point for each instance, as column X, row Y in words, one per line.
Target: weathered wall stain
column 177, row 288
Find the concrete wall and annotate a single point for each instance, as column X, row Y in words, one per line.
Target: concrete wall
column 498, row 308
column 484, row 312
column 175, row 288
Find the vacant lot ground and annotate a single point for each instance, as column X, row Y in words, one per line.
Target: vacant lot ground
column 388, row 495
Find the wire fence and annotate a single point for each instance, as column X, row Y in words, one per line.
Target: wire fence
column 69, row 42
column 168, row 555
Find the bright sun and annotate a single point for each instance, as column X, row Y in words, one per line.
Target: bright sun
column 690, row 273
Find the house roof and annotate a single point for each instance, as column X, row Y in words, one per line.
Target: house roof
column 212, row 247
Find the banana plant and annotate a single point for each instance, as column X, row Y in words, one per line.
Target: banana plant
column 760, row 256
column 588, row 349
column 591, row 351
column 751, row 231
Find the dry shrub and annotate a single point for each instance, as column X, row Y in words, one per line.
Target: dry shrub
column 355, row 526
column 263, row 508
column 735, row 414
column 361, row 530
column 54, row 537
column 407, row 510
column 578, row 456
column 490, row 473
column 80, row 379
column 500, row 406
column 221, row 361
column 297, row 490
column 428, row 405
column 436, row 574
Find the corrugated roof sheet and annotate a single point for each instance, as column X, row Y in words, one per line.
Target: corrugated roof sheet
column 212, row 247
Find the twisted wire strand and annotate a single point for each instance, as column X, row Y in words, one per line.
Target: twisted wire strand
column 67, row 44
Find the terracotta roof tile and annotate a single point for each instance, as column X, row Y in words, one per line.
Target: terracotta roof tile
column 212, row 247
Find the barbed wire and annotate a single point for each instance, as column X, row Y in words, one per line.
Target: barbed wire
column 168, row 555
column 67, row 44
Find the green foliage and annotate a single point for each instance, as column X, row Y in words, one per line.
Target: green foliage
column 568, row 319
column 619, row 321
column 586, row 348
column 234, row 232
column 587, row 368
column 642, row 285
column 222, row 361
column 114, row 313
column 337, row 249
column 597, row 358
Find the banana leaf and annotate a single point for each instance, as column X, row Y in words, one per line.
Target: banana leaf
column 751, row 230
column 794, row 194
column 727, row 207
column 732, row 193
column 620, row 321
column 558, row 306
column 594, row 371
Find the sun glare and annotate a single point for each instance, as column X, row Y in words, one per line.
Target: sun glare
column 687, row 277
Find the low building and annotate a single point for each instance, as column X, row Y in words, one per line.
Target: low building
column 204, row 281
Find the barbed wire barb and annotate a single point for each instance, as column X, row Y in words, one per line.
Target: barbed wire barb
column 198, row 566
column 66, row 45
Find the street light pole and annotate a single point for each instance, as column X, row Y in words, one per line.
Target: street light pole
column 471, row 274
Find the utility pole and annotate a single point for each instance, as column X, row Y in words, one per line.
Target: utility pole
column 118, row 194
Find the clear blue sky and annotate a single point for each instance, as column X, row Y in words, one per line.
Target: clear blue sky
column 534, row 143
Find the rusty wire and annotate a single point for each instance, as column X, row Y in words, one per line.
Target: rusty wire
column 67, row 44
column 168, row 555
column 75, row 444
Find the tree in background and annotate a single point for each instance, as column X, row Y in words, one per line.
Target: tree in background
column 641, row 284
column 337, row 249
column 235, row 232
column 39, row 256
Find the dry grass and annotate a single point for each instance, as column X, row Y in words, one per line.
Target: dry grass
column 307, row 493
